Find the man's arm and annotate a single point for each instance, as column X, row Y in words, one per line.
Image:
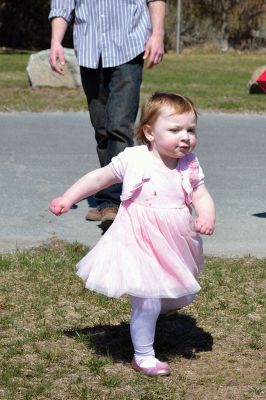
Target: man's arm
column 154, row 49
column 59, row 26
column 61, row 14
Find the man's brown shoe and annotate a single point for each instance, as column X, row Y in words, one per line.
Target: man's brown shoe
column 94, row 215
column 108, row 214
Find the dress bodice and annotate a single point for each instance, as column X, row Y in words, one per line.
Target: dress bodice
column 148, row 181
column 163, row 189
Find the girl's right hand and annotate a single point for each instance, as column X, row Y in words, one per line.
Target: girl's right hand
column 60, row 205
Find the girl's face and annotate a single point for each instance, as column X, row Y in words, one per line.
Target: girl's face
column 172, row 135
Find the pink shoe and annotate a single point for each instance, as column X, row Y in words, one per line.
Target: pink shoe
column 161, row 369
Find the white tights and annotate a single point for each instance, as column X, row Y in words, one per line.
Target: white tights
column 145, row 312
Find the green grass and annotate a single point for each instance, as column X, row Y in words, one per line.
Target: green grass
column 17, row 95
column 216, row 82
column 60, row 341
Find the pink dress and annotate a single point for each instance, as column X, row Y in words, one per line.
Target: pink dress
column 151, row 249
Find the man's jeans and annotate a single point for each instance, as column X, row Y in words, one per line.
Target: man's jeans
column 113, row 100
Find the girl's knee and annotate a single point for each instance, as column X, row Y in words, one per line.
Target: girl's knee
column 186, row 300
column 146, row 306
column 174, row 304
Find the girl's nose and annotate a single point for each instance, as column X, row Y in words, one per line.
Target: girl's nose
column 185, row 134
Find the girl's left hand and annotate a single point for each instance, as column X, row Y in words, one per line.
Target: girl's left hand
column 204, row 225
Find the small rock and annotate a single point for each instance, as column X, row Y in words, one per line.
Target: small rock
column 40, row 72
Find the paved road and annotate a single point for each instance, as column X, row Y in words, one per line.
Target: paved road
column 42, row 154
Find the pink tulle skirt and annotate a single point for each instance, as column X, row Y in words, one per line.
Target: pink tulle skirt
column 147, row 252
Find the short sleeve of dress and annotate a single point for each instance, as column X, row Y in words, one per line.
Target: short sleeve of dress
column 196, row 175
column 119, row 164
column 201, row 176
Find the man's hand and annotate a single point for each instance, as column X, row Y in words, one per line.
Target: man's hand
column 57, row 59
column 154, row 51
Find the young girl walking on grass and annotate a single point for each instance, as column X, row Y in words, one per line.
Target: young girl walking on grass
column 153, row 250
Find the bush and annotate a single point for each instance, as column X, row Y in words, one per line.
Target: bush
column 25, row 25
column 229, row 22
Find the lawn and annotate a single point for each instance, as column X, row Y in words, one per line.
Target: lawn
column 62, row 342
column 216, row 82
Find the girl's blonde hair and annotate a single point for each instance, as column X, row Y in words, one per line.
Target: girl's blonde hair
column 152, row 108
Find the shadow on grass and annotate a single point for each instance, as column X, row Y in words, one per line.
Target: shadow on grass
column 177, row 335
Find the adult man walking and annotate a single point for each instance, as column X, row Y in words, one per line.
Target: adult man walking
column 112, row 38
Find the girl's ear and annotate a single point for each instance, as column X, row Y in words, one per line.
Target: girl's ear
column 147, row 130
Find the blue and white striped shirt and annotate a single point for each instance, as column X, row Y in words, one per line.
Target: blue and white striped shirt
column 116, row 30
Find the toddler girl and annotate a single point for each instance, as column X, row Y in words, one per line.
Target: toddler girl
column 153, row 250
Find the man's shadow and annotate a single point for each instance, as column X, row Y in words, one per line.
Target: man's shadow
column 177, row 335
column 260, row 215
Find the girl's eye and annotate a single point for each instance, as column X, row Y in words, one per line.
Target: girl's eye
column 174, row 130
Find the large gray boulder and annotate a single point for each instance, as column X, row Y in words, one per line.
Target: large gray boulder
column 40, row 72
column 252, row 86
